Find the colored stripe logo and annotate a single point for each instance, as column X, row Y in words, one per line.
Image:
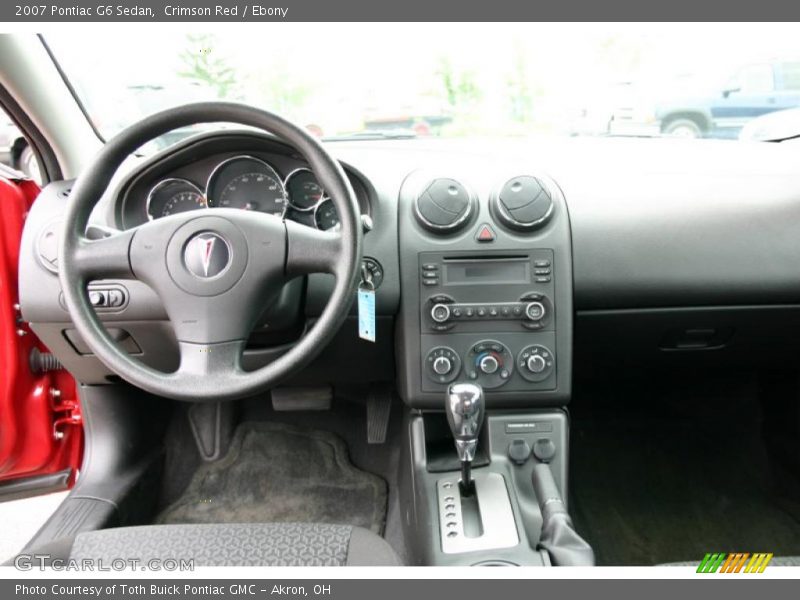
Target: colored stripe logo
column 736, row 562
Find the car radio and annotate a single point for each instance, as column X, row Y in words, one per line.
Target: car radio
column 464, row 292
column 488, row 318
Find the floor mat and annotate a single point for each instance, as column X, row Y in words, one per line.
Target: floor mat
column 276, row 473
column 650, row 491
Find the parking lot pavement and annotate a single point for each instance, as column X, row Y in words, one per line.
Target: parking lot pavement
column 23, row 518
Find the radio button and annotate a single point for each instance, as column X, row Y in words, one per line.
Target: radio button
column 440, row 313
column 430, row 282
column 535, row 311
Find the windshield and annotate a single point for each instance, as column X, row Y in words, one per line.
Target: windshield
column 453, row 80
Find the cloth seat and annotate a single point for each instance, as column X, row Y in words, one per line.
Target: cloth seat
column 230, row 544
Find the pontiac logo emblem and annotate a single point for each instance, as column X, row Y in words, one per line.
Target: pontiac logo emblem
column 207, row 255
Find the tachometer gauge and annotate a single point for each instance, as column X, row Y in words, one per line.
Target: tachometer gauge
column 247, row 183
column 304, row 190
column 325, row 216
column 172, row 196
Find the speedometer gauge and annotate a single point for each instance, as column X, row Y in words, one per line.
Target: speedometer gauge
column 172, row 196
column 247, row 183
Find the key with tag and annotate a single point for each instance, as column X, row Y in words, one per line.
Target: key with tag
column 366, row 307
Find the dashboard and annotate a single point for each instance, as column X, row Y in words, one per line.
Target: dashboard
column 515, row 265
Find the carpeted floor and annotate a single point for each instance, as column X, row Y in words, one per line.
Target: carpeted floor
column 653, row 489
column 277, row 473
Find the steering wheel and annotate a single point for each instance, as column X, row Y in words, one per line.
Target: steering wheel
column 213, row 270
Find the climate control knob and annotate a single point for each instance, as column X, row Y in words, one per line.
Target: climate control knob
column 442, row 365
column 488, row 364
column 536, row 364
column 440, row 313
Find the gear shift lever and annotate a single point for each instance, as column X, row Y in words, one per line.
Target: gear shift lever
column 464, row 406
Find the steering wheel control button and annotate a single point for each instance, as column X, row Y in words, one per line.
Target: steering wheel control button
column 519, row 452
column 490, row 363
column 536, row 363
column 544, row 450
column 207, row 255
column 442, row 364
column 485, row 234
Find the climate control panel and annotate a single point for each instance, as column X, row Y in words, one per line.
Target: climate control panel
column 494, row 364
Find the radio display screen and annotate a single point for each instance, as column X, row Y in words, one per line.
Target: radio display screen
column 487, row 272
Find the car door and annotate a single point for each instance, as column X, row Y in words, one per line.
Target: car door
column 41, row 435
column 788, row 85
column 749, row 94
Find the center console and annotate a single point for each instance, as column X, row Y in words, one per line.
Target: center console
column 486, row 273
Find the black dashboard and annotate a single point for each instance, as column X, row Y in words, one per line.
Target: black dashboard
column 507, row 262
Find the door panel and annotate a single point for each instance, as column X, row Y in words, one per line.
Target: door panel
column 41, row 438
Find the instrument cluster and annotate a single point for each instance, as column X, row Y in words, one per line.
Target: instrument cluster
column 247, row 183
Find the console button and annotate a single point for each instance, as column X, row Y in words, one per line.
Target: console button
column 485, row 234
column 519, row 451
column 544, row 449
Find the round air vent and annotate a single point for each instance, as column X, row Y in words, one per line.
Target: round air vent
column 524, row 203
column 443, row 206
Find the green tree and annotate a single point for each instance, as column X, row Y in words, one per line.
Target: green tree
column 520, row 95
column 460, row 87
column 202, row 64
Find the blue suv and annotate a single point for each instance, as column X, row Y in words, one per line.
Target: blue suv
column 754, row 90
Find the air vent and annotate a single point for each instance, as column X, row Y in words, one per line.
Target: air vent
column 524, row 203
column 444, row 206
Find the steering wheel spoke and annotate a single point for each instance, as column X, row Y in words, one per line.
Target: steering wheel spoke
column 105, row 258
column 311, row 250
column 218, row 360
